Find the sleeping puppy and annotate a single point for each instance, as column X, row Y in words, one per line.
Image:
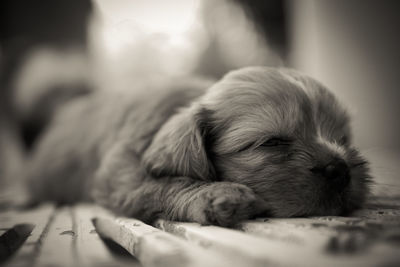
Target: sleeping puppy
column 260, row 141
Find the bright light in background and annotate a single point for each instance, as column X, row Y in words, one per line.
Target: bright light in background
column 168, row 16
column 146, row 37
column 126, row 22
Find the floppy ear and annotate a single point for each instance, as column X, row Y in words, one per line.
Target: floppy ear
column 178, row 149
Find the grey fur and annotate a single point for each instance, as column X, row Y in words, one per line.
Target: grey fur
column 192, row 152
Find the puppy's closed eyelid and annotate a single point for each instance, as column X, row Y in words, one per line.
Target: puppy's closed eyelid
column 271, row 142
column 246, row 147
column 276, row 141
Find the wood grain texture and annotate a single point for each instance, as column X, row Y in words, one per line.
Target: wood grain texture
column 90, row 249
column 41, row 218
column 156, row 248
column 243, row 248
column 309, row 242
column 58, row 246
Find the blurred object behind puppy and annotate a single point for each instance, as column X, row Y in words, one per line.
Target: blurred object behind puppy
column 32, row 36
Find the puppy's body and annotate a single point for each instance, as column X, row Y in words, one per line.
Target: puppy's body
column 86, row 131
column 259, row 140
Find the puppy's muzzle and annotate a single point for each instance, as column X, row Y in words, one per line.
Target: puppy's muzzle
column 336, row 173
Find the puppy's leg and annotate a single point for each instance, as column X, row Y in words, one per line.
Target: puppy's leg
column 123, row 186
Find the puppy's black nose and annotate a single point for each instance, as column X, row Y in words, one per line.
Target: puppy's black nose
column 337, row 168
column 336, row 172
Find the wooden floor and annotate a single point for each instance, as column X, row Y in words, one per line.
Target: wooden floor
column 87, row 235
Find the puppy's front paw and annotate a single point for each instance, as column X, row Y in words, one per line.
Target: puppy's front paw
column 228, row 203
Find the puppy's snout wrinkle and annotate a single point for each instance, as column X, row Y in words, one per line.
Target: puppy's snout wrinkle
column 336, row 172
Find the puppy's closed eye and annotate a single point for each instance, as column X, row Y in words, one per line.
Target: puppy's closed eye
column 269, row 143
column 276, row 141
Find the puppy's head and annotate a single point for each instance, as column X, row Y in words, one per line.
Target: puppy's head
column 278, row 132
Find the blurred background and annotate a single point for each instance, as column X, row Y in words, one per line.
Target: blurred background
column 58, row 49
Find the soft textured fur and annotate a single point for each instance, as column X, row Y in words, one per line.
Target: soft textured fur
column 256, row 142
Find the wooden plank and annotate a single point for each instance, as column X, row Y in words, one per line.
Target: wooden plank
column 9, row 218
column 58, row 246
column 155, row 248
column 339, row 239
column 291, row 231
column 380, row 215
column 13, row 239
column 39, row 217
column 91, row 250
column 293, row 247
column 243, row 248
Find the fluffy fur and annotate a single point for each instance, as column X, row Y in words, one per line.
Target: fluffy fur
column 259, row 141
